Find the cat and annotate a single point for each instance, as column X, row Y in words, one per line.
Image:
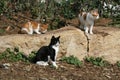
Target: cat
column 31, row 26
column 87, row 20
column 47, row 54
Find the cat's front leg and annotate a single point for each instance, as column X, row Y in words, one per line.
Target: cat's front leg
column 54, row 64
column 91, row 29
column 30, row 30
column 82, row 27
column 37, row 31
column 86, row 29
column 27, row 31
column 44, row 31
column 53, row 60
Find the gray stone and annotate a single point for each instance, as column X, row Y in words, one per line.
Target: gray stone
column 105, row 42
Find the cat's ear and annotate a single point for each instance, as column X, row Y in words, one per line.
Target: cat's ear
column 53, row 37
column 58, row 37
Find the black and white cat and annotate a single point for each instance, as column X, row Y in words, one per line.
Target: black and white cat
column 48, row 53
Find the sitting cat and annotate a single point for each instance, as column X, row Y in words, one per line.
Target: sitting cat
column 87, row 20
column 48, row 53
column 32, row 26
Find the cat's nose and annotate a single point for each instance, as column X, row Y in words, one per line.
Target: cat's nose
column 97, row 17
column 57, row 44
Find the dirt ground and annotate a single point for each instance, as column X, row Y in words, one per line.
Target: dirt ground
column 29, row 71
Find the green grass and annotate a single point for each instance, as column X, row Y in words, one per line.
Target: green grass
column 118, row 63
column 12, row 55
column 16, row 55
column 2, row 31
column 72, row 60
column 98, row 61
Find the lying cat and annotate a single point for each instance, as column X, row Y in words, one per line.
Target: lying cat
column 33, row 26
column 87, row 20
column 48, row 53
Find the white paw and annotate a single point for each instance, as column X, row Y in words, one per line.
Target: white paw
column 42, row 63
column 38, row 32
column 55, row 65
column 91, row 32
column 44, row 31
column 86, row 31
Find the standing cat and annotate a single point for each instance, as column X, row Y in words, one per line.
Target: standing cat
column 33, row 26
column 48, row 53
column 87, row 20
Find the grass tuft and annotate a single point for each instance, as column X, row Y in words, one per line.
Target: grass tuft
column 72, row 60
column 98, row 61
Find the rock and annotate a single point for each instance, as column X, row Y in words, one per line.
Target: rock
column 73, row 42
column 105, row 42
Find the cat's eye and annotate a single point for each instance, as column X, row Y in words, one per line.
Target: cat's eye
column 55, row 41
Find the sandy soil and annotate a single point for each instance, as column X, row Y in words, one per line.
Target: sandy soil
column 29, row 71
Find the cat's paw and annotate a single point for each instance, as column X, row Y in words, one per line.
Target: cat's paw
column 55, row 65
column 86, row 32
column 38, row 32
column 91, row 32
column 42, row 63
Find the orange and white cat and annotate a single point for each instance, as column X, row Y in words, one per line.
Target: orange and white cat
column 87, row 20
column 31, row 26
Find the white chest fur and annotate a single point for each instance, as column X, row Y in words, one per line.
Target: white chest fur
column 56, row 48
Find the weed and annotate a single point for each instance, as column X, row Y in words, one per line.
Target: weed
column 12, row 55
column 98, row 61
column 16, row 49
column 118, row 63
column 31, row 56
column 72, row 60
column 3, row 6
column 2, row 31
column 16, row 55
